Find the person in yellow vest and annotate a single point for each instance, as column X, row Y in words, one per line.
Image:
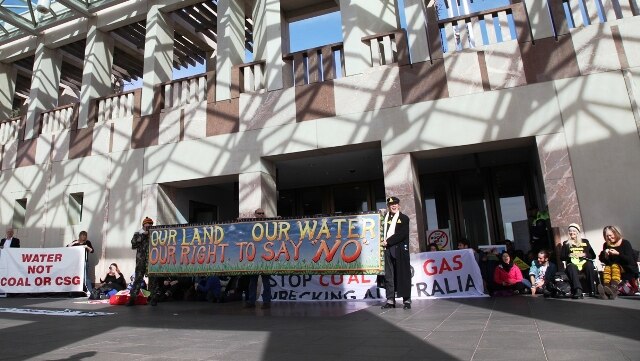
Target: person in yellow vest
column 578, row 255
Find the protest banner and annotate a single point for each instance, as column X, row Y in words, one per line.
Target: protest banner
column 445, row 274
column 320, row 245
column 34, row 270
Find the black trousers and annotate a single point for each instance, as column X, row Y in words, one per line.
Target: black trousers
column 590, row 276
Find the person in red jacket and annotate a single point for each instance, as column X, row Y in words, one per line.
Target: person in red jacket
column 508, row 277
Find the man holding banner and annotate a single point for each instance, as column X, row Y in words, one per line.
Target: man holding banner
column 397, row 263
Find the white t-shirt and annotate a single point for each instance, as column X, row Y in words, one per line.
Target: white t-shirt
column 7, row 242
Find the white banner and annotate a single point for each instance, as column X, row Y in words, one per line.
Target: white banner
column 33, row 270
column 444, row 274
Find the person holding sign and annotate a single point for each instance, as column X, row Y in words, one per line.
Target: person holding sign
column 578, row 255
column 140, row 242
column 397, row 264
column 82, row 241
column 10, row 241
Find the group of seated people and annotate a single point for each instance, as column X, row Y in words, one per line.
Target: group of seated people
column 619, row 274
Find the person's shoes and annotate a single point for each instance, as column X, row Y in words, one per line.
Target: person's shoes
column 266, row 306
column 601, row 292
column 88, row 293
column 153, row 301
column 388, row 305
column 610, row 293
column 515, row 292
column 132, row 302
column 406, row 306
column 249, row 305
column 613, row 290
column 577, row 294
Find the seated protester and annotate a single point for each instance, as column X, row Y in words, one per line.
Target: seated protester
column 542, row 273
column 464, row 244
column 507, row 277
column 620, row 263
column 172, row 288
column 432, row 247
column 111, row 284
column 143, row 284
column 208, row 289
column 577, row 254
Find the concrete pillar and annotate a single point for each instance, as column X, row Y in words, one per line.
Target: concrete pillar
column 539, row 18
column 417, row 30
column 96, row 73
column 401, row 180
column 158, row 56
column 230, row 44
column 8, row 76
column 45, row 82
column 362, row 18
column 257, row 189
column 267, row 40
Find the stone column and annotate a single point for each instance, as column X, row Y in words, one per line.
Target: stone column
column 401, row 180
column 361, row 18
column 416, row 30
column 257, row 189
column 8, row 76
column 560, row 189
column 158, row 57
column 45, row 82
column 230, row 44
column 267, row 40
column 96, row 73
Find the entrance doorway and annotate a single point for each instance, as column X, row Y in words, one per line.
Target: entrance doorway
column 483, row 197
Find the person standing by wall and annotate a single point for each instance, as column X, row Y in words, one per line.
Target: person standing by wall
column 397, row 265
column 82, row 241
column 10, row 241
column 252, row 293
column 140, row 242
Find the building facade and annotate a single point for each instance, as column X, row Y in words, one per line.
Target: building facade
column 472, row 121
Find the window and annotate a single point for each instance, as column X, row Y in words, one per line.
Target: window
column 19, row 213
column 75, row 208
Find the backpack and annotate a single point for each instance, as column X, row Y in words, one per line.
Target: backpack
column 559, row 286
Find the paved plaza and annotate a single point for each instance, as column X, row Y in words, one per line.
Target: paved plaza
column 515, row 328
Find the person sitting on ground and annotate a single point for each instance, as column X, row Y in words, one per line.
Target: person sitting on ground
column 208, row 289
column 507, row 278
column 112, row 283
column 620, row 263
column 542, row 273
column 465, row 244
column 143, row 284
column 173, row 288
column 578, row 255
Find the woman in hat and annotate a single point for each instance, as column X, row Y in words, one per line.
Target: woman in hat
column 578, row 256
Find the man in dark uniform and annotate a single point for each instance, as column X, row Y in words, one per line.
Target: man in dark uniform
column 140, row 242
column 397, row 265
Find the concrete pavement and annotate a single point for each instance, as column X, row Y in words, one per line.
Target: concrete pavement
column 514, row 328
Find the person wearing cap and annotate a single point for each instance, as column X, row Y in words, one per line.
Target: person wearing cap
column 252, row 292
column 578, row 256
column 397, row 265
column 140, row 242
